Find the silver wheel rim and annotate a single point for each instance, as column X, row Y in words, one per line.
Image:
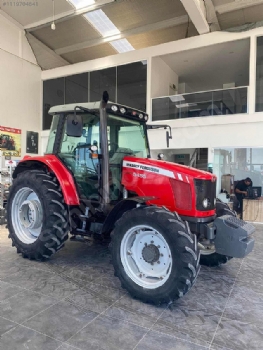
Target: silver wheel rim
column 27, row 215
column 146, row 257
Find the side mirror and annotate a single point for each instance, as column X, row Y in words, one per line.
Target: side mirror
column 74, row 125
column 168, row 137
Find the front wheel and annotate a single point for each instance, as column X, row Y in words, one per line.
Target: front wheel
column 37, row 216
column 209, row 257
column 154, row 255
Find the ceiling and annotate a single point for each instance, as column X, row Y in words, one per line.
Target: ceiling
column 210, row 67
column 142, row 23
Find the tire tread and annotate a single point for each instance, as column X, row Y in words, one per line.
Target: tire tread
column 55, row 227
column 187, row 252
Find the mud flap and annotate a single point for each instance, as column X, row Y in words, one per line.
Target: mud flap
column 233, row 236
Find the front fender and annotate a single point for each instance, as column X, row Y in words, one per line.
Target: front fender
column 120, row 208
column 52, row 164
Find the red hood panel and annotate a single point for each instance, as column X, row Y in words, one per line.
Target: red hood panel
column 171, row 167
column 152, row 178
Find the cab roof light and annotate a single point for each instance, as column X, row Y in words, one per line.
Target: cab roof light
column 114, row 108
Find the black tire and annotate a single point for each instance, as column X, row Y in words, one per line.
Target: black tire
column 216, row 259
column 182, row 244
column 54, row 231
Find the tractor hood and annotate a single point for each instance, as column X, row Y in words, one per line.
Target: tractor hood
column 164, row 168
column 177, row 187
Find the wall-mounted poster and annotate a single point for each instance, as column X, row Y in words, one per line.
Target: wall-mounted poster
column 10, row 141
column 32, row 142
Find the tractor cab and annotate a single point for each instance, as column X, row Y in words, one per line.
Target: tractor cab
column 86, row 138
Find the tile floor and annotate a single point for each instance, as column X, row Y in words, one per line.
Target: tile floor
column 73, row 301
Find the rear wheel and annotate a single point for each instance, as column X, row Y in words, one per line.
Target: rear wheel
column 208, row 255
column 37, row 216
column 154, row 254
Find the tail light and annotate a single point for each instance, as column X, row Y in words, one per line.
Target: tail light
column 182, row 194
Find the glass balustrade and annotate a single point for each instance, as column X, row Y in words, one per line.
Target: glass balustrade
column 201, row 104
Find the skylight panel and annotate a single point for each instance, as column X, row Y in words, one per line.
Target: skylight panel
column 78, row 4
column 122, row 45
column 102, row 23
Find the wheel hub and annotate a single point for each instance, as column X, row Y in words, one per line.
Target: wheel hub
column 150, row 253
column 30, row 214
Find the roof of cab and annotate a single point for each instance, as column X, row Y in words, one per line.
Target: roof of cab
column 70, row 107
column 88, row 105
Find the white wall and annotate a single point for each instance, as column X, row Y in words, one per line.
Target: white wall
column 20, row 77
column 240, row 130
column 161, row 78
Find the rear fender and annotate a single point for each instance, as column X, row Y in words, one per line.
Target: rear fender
column 120, row 209
column 51, row 163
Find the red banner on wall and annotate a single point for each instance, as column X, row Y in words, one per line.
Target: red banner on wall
column 12, row 130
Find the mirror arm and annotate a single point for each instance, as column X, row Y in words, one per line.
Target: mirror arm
column 165, row 126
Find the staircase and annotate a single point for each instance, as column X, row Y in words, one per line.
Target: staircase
column 202, row 159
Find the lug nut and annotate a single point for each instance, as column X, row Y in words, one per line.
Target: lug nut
column 161, row 254
column 158, row 262
column 152, row 242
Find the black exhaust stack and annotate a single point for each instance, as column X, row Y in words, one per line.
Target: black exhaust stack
column 105, row 199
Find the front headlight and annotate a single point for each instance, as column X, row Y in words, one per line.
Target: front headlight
column 205, row 203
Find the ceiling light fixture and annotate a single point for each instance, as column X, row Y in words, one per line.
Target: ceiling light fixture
column 79, row 4
column 53, row 26
column 101, row 22
column 122, row 45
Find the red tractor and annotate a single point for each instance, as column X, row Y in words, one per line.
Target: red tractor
column 97, row 180
column 7, row 142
